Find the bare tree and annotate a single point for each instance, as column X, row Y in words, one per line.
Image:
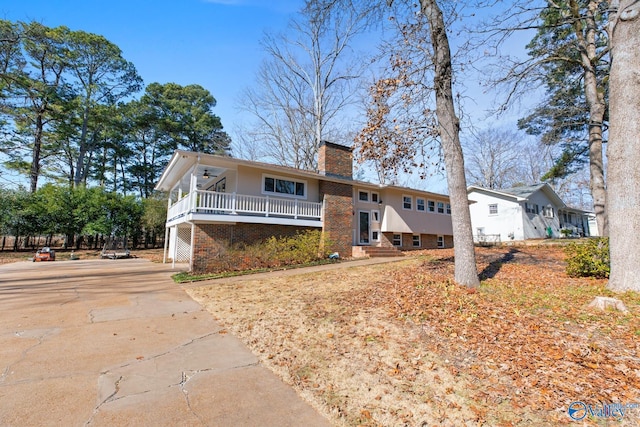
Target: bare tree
column 421, row 70
column 304, row 84
column 535, row 161
column 449, row 132
column 568, row 56
column 493, row 158
column 623, row 152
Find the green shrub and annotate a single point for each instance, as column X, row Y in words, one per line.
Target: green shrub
column 303, row 248
column 588, row 259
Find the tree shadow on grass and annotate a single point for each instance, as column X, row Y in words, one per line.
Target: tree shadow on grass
column 494, row 266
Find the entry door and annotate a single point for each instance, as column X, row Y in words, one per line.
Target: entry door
column 364, row 227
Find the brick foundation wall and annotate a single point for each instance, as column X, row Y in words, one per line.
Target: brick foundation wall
column 209, row 239
column 427, row 241
column 385, row 240
column 338, row 216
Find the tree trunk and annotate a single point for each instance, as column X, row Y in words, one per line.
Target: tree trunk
column 595, row 100
column 35, row 155
column 80, row 167
column 623, row 196
column 466, row 272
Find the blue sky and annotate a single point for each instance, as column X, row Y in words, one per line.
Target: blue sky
column 213, row 43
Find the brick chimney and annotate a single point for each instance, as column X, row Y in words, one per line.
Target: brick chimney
column 335, row 160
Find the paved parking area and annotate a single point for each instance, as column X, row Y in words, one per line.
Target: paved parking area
column 103, row 342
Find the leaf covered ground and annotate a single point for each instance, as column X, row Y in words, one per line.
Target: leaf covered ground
column 401, row 344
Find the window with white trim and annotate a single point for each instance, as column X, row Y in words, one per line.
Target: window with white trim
column 441, row 241
column 547, row 211
column 375, row 216
column 375, row 197
column 397, row 240
column 431, row 206
column 415, row 240
column 448, row 208
column 531, row 208
column 440, row 207
column 407, row 202
column 420, row 206
column 493, row 209
column 375, row 235
column 284, row 187
column 363, row 196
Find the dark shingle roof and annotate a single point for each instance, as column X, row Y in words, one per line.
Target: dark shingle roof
column 524, row 191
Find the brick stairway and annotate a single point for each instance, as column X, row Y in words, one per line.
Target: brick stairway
column 375, row 252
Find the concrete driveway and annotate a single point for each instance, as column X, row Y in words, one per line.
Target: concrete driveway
column 103, row 342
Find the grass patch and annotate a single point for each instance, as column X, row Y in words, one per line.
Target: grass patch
column 185, row 277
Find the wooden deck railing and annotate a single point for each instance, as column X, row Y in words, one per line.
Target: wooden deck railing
column 211, row 202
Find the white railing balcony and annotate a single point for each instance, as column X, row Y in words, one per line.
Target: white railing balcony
column 211, row 202
column 179, row 208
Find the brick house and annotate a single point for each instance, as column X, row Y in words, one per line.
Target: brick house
column 216, row 201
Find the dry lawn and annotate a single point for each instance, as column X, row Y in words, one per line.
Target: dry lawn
column 8, row 256
column 400, row 344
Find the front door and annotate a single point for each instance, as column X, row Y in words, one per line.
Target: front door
column 364, row 228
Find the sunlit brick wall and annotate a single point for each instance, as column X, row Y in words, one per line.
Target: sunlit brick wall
column 210, row 239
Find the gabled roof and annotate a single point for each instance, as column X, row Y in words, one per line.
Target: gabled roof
column 522, row 194
column 525, row 191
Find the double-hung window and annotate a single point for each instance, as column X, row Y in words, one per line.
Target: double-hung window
column 420, row 204
column 407, row 202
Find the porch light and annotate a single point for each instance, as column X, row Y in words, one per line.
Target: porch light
column 205, row 175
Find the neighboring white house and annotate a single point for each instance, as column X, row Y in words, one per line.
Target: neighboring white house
column 217, row 200
column 520, row 213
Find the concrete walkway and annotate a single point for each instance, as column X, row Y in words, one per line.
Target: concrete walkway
column 117, row 343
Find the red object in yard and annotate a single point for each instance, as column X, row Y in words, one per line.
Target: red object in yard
column 45, row 254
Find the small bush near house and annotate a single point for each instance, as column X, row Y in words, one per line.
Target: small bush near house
column 303, row 248
column 588, row 259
